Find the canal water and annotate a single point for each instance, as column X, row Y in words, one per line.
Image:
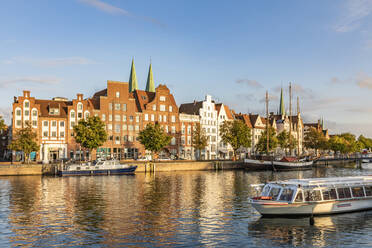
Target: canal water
column 177, row 209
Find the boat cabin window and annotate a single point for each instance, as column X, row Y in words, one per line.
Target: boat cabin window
column 299, row 197
column 312, row 195
column 368, row 190
column 357, row 191
column 344, row 193
column 97, row 167
column 329, row 194
column 287, row 195
column 77, row 168
column 265, row 190
column 274, row 192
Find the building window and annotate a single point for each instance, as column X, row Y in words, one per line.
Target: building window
column 124, row 118
column 62, row 134
column 154, row 107
column 54, row 134
column 160, row 118
column 189, row 130
column 125, row 138
column 188, row 140
column 18, row 123
column 130, row 138
column 173, row 118
column 166, row 129
column 117, row 140
column 117, row 94
column 124, row 107
column 130, row 127
column 136, row 128
column 109, row 126
column 54, row 123
column 18, row 112
column 173, row 141
column 162, row 107
column 103, row 117
column 183, row 140
column 117, row 106
column 34, row 113
column 152, row 117
column 45, row 134
column 110, row 106
column 80, row 106
column 27, row 104
column 165, row 118
column 117, row 118
column 183, row 130
column 162, row 98
column 72, row 114
column 45, row 123
column 146, row 117
column 131, row 118
column 170, row 108
column 34, row 123
column 27, row 113
column 124, row 127
column 117, row 128
column 86, row 115
column 72, row 123
column 173, row 129
column 110, row 117
column 137, row 118
column 61, row 123
column 54, row 111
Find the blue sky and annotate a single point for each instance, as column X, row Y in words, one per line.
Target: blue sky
column 233, row 50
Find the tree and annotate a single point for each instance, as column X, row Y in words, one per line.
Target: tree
column 153, row 138
column 314, row 140
column 2, row 123
column 90, row 133
column 365, row 142
column 235, row 133
column 337, row 144
column 25, row 140
column 199, row 139
column 273, row 141
column 285, row 142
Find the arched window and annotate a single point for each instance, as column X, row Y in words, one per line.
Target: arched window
column 86, row 115
column 80, row 106
column 72, row 114
column 34, row 113
column 117, row 94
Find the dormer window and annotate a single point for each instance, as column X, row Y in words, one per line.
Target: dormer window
column 54, row 111
column 162, row 98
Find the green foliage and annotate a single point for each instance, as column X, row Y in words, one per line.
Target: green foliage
column 153, row 138
column 2, row 123
column 90, row 133
column 236, row 133
column 366, row 143
column 315, row 140
column 285, row 142
column 25, row 140
column 345, row 143
column 273, row 141
column 199, row 139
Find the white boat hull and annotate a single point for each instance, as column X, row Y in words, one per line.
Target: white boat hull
column 271, row 208
column 367, row 166
column 254, row 164
column 277, row 165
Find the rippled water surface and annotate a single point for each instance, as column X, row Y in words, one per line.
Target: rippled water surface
column 178, row 209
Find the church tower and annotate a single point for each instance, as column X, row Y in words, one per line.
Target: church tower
column 150, row 86
column 133, row 85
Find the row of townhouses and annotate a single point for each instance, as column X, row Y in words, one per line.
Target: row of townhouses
column 126, row 110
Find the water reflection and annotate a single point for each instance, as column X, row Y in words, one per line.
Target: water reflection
column 163, row 209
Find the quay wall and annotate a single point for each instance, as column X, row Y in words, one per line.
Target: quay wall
column 20, row 169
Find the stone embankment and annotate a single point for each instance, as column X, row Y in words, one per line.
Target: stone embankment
column 143, row 166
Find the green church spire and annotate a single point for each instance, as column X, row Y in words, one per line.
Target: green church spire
column 150, row 86
column 133, row 78
column 281, row 106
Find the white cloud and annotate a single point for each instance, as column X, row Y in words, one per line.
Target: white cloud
column 34, row 80
column 113, row 10
column 364, row 81
column 249, row 82
column 49, row 61
column 354, row 13
column 105, row 7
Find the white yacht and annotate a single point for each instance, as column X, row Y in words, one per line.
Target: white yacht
column 314, row 196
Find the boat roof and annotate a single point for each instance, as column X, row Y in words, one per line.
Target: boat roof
column 329, row 181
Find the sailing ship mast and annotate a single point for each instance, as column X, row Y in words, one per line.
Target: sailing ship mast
column 267, row 122
column 298, row 126
column 290, row 118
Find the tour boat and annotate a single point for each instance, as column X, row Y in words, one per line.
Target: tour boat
column 107, row 167
column 314, row 196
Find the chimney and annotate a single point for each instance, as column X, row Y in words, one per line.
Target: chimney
column 26, row 93
column 79, row 96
